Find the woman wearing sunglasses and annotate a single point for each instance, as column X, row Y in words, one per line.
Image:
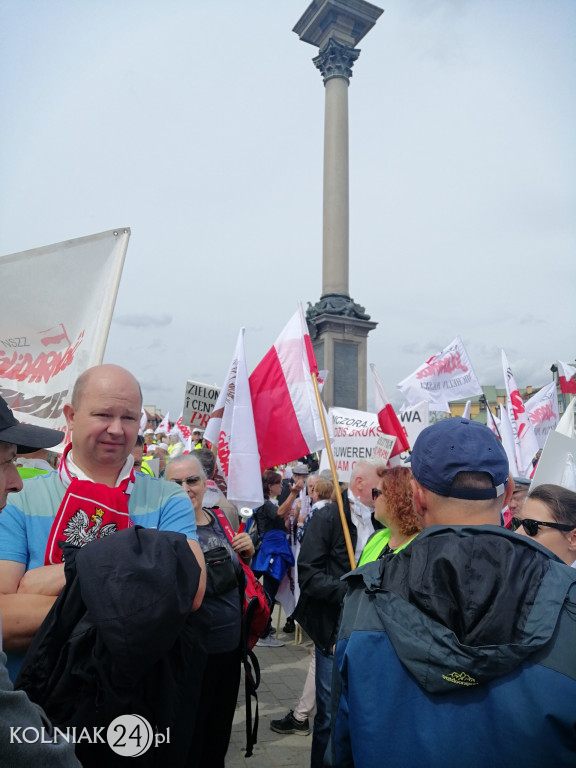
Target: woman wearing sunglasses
column 393, row 508
column 549, row 517
column 221, row 679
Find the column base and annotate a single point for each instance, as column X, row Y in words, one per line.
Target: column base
column 339, row 330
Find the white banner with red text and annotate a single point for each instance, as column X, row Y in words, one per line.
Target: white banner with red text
column 57, row 305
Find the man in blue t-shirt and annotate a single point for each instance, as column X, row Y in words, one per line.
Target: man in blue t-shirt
column 95, row 492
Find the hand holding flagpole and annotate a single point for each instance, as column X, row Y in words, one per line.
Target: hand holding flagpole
column 245, row 513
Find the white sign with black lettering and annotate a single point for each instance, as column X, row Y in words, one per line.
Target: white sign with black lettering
column 357, row 435
column 199, row 400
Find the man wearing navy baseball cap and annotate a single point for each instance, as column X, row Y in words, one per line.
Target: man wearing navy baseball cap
column 458, row 650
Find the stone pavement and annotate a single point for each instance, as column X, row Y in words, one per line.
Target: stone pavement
column 283, row 672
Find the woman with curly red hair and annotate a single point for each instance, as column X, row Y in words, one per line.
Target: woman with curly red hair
column 394, row 508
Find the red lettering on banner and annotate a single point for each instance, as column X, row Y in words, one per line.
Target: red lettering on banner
column 518, row 409
column 48, row 341
column 224, row 452
column 542, row 413
column 448, row 364
column 46, row 365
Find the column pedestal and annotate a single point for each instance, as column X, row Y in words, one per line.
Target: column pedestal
column 340, row 344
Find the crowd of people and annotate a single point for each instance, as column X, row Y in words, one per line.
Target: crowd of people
column 442, row 612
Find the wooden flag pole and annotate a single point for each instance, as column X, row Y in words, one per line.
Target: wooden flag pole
column 339, row 501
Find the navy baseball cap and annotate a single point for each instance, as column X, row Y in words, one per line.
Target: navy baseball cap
column 27, row 437
column 456, row 445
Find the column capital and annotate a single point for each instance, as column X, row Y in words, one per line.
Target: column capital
column 336, row 60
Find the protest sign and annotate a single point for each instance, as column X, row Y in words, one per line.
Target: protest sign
column 57, row 304
column 414, row 419
column 557, row 463
column 356, row 435
column 199, row 400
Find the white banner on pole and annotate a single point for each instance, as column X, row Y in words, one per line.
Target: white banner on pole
column 444, row 377
column 57, row 304
column 543, row 412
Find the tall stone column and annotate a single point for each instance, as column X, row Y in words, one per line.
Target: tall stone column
column 335, row 63
column 338, row 326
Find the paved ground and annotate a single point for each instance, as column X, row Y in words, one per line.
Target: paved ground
column 283, row 671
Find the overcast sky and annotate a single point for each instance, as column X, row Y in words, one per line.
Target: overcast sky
column 199, row 125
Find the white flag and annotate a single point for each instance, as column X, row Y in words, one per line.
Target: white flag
column 508, row 442
column 183, row 432
column 524, row 438
column 55, row 320
column 492, row 422
column 143, row 422
column 444, row 377
column 566, row 423
column 542, row 410
column 164, row 426
column 231, row 428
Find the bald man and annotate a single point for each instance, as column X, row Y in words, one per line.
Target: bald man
column 94, row 493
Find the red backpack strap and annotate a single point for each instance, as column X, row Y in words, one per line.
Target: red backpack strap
column 223, row 520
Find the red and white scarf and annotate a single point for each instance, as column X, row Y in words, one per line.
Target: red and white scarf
column 88, row 510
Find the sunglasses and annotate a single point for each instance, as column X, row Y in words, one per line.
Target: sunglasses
column 375, row 493
column 192, row 480
column 531, row 526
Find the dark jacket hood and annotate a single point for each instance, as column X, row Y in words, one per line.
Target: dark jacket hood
column 465, row 605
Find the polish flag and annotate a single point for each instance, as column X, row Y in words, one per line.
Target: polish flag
column 286, row 416
column 467, row 409
column 566, row 375
column 389, row 422
column 231, row 428
column 524, row 436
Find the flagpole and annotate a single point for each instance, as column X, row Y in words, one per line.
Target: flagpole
column 491, row 414
column 339, row 501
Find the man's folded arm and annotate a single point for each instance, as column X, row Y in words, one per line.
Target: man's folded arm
column 22, row 609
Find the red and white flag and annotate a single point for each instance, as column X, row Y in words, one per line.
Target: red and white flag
column 164, row 426
column 444, row 377
column 524, row 438
column 184, row 432
column 231, row 428
column 543, row 412
column 387, row 418
column 566, row 378
column 286, row 416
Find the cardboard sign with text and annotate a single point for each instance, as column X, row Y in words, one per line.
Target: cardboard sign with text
column 199, row 400
column 357, row 435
